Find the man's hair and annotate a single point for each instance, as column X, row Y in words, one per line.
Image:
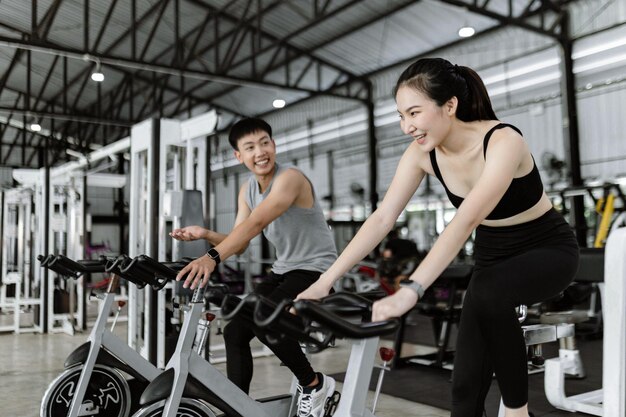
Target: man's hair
column 245, row 127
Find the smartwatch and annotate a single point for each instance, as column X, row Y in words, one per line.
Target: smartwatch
column 215, row 255
column 417, row 287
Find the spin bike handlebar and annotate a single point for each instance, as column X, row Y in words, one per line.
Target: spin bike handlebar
column 330, row 313
column 65, row 266
column 251, row 309
column 116, row 265
column 148, row 271
column 317, row 322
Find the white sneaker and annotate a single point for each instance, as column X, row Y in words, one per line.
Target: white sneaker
column 312, row 400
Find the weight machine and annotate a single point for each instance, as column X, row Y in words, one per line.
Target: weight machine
column 169, row 188
column 60, row 210
column 17, row 236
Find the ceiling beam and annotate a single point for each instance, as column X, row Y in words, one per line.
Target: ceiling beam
column 66, row 117
column 542, row 17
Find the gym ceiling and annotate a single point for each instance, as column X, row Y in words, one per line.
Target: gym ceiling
column 173, row 58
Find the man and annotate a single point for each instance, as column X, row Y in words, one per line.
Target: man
column 280, row 202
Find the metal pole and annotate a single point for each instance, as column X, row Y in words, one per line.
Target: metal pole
column 120, row 207
column 46, row 243
column 207, row 183
column 371, row 145
column 570, row 128
column 153, row 228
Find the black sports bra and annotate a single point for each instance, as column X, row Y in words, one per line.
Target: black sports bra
column 523, row 193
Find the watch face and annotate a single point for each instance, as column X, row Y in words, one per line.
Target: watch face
column 213, row 254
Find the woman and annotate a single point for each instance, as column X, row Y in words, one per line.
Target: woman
column 524, row 250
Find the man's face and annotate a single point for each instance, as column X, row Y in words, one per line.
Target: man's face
column 257, row 151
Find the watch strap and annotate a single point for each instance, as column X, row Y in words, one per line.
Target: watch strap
column 417, row 287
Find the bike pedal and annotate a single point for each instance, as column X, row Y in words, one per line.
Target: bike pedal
column 331, row 404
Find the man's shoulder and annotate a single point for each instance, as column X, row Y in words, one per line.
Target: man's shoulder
column 289, row 173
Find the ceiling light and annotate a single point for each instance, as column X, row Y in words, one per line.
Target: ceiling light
column 97, row 74
column 466, row 31
column 35, row 127
column 279, row 103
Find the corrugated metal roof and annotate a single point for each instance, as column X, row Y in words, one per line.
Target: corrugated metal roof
column 594, row 15
column 408, row 33
column 349, row 37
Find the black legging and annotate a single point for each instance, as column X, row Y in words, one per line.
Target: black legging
column 522, row 264
column 238, row 333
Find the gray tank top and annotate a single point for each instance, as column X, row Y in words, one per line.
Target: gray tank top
column 300, row 235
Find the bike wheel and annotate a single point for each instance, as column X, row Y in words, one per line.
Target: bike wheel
column 107, row 395
column 188, row 408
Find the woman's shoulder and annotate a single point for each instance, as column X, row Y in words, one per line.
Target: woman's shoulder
column 416, row 156
column 499, row 128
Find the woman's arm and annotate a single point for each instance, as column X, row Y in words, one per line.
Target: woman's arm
column 407, row 178
column 505, row 154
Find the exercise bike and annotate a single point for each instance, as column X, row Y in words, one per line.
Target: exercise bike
column 188, row 375
column 94, row 381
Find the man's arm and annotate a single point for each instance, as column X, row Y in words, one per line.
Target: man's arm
column 285, row 190
column 189, row 233
column 243, row 212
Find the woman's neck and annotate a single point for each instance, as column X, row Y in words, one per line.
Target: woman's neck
column 464, row 136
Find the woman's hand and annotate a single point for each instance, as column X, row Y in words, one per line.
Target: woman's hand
column 189, row 233
column 199, row 270
column 394, row 305
column 316, row 291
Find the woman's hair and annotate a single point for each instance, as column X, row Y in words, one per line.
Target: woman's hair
column 440, row 80
column 245, row 127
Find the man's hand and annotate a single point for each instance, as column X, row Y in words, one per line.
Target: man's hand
column 395, row 305
column 189, row 233
column 199, row 271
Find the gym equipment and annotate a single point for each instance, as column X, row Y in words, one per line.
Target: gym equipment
column 442, row 303
column 556, row 326
column 92, row 383
column 609, row 401
column 168, row 161
column 189, row 377
column 361, row 278
column 317, row 324
column 537, row 334
column 59, row 196
column 17, row 240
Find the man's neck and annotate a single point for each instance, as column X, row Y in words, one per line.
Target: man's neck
column 265, row 180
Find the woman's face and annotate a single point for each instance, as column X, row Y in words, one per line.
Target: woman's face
column 422, row 119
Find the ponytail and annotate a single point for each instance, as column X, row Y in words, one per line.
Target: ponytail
column 478, row 104
column 440, row 80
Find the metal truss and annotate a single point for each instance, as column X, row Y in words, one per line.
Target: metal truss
column 226, row 49
column 231, row 44
column 540, row 16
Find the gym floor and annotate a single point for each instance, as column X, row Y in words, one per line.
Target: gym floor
column 29, row 362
